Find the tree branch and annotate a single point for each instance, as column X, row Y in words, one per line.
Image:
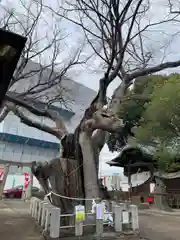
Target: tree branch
column 54, row 116
column 104, row 120
column 150, row 70
column 29, row 122
column 36, row 74
column 4, row 112
column 27, row 105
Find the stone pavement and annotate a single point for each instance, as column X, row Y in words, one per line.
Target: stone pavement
column 16, row 222
column 159, row 225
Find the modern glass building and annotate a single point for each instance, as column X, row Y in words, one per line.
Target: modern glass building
column 22, row 144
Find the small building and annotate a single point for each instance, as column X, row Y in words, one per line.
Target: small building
column 133, row 160
column 137, row 160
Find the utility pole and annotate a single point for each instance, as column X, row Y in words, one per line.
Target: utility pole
column 129, row 180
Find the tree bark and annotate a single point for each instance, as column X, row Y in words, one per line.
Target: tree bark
column 89, row 168
column 62, row 177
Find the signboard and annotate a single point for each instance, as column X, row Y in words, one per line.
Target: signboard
column 80, row 213
column 152, row 187
column 100, row 211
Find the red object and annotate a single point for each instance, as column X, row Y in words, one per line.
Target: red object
column 104, row 180
column 27, row 180
column 149, row 199
column 13, row 192
column 1, row 173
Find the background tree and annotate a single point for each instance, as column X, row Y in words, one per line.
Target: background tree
column 155, row 114
column 148, row 109
column 160, row 122
column 132, row 108
column 114, row 31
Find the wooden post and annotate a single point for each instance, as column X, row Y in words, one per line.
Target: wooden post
column 2, row 185
column 55, row 223
column 134, row 217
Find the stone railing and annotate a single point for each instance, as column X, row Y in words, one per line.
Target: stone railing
column 48, row 217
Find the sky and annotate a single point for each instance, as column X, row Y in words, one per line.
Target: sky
column 90, row 75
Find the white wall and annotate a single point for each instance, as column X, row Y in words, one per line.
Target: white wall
column 118, row 181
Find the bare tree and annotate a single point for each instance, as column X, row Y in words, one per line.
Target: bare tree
column 174, row 7
column 42, row 65
column 116, row 27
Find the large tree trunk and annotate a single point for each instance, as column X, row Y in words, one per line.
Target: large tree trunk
column 66, row 180
column 62, row 177
column 160, row 196
column 84, row 146
column 89, row 169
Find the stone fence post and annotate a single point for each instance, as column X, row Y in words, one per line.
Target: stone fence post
column 118, row 209
column 43, row 217
column 48, row 216
column 40, row 211
column 134, row 217
column 55, row 223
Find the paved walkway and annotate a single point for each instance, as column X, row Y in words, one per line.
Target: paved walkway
column 15, row 221
column 159, row 225
column 17, row 224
